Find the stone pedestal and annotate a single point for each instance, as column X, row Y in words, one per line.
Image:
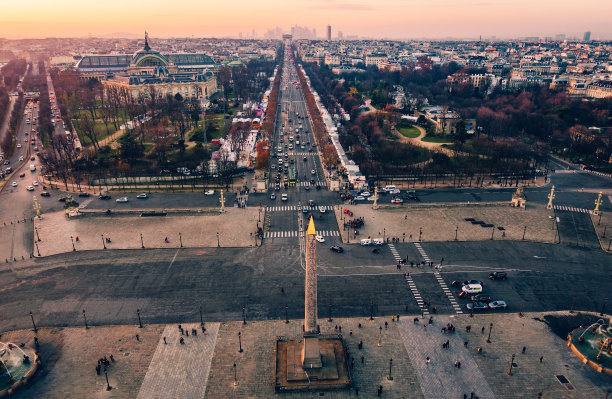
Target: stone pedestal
column 311, row 353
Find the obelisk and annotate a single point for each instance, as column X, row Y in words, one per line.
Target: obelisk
column 311, row 355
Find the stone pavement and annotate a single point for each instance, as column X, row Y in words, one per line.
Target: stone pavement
column 203, row 367
column 234, row 227
column 440, row 378
column 439, row 223
column 180, row 370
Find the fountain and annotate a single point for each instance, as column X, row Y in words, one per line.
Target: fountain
column 17, row 365
column 593, row 345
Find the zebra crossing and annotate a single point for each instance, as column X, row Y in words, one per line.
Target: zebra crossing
column 417, row 295
column 571, row 209
column 422, row 252
column 305, row 183
column 297, row 233
column 396, row 255
column 289, row 208
column 448, row 293
column 303, row 154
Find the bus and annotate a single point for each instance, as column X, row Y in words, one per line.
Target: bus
column 291, row 175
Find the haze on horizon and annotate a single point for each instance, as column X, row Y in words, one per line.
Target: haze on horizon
column 397, row 19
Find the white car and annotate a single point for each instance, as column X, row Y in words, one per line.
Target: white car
column 209, row 192
column 365, row 193
column 472, row 289
column 18, row 145
column 365, row 241
column 142, row 196
column 122, row 199
column 313, row 172
column 30, row 188
column 14, row 184
column 498, row 305
column 20, row 158
column 35, row 183
column 320, row 238
column 284, row 197
column 321, row 209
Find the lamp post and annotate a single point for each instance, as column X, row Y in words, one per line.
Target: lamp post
column 72, row 241
column 139, row 321
column 371, row 310
column 603, row 307
column 181, row 239
column 38, row 237
column 489, row 337
column 456, row 230
column 472, row 309
column 103, row 243
column 384, row 233
column 218, row 242
column 240, row 342
column 511, row 364
column 286, row 314
column 329, row 308
column 37, row 250
column 85, row 320
column 108, row 387
column 492, row 232
column 33, row 324
column 524, row 231
column 141, row 241
column 201, row 318
column 573, row 303
column 235, row 376
column 390, row 377
column 380, row 336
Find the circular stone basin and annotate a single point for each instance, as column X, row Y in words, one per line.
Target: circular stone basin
column 16, row 366
column 593, row 344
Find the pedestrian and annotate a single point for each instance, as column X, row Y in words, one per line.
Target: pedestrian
column 112, row 358
column 541, row 358
column 336, row 328
column 137, row 337
column 397, row 317
column 427, row 360
column 360, row 345
column 77, row 238
column 465, row 396
column 350, row 332
column 468, row 328
column 465, row 344
column 180, row 328
column 410, row 238
column 386, row 324
column 425, row 327
column 187, row 332
column 359, row 325
column 434, row 310
column 340, row 329
column 182, row 341
column 416, row 320
column 472, row 395
column 447, row 343
column 458, row 364
column 165, row 343
column 362, row 359
column 356, row 391
column 524, row 349
column 482, row 330
column 380, row 389
column 98, row 369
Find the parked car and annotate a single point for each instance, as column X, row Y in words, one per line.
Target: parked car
column 365, row 241
column 122, row 199
column 142, row 196
column 35, row 183
column 104, row 196
column 337, row 248
column 472, row 289
column 481, row 298
column 498, row 305
column 498, row 276
column 320, row 238
column 477, row 306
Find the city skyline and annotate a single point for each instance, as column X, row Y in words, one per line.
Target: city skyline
column 409, row 19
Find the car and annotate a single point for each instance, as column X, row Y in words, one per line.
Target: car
column 122, row 199
column 45, row 194
column 337, row 248
column 14, row 184
column 30, row 188
column 320, row 239
column 272, row 196
column 142, row 196
column 313, row 172
column 32, row 158
column 321, row 209
column 22, row 175
column 84, row 194
column 472, row 289
column 307, row 188
column 284, row 197
column 273, row 167
column 364, row 194
column 477, row 306
column 18, row 145
column 411, row 194
column 365, row 242
column 498, row 305
column 62, row 199
column 209, row 192
column 481, row 298
column 396, row 201
column 305, row 159
column 35, row 183
column 276, row 187
column 468, row 282
column 498, row 276
column 305, row 209
column 359, row 198
column 104, row 196
column 21, row 158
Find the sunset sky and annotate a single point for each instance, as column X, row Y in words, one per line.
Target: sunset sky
column 380, row 18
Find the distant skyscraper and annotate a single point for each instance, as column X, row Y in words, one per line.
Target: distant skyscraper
column 587, row 36
column 340, row 35
column 329, row 32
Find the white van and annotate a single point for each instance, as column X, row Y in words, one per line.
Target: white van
column 390, row 187
column 366, row 241
column 472, row 289
column 378, row 241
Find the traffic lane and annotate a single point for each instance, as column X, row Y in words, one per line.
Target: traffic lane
column 157, row 200
column 579, row 179
column 568, row 197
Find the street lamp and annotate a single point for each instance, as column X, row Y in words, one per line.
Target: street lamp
column 573, row 303
column 85, row 319
column 380, row 336
column 201, row 318
column 72, row 241
column 329, row 308
column 33, row 324
column 371, row 310
column 38, row 237
column 37, row 250
column 218, row 243
column 139, row 321
column 235, row 376
column 492, row 232
column 489, row 337
column 103, row 243
column 603, row 307
column 524, row 231
column 243, row 315
column 141, row 241
column 286, row 314
column 456, row 230
column 240, row 342
column 108, row 387
column 181, row 239
column 511, row 364
column 390, row 377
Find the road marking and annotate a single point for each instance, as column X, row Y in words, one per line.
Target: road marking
column 448, row 293
column 173, row 259
column 416, row 294
column 422, row 252
column 571, row 209
column 297, row 233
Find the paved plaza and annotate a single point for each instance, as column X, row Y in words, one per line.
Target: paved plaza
column 439, row 222
column 236, row 227
column 146, row 367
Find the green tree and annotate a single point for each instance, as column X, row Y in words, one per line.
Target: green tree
column 130, row 150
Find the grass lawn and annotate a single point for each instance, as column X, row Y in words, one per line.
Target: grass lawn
column 99, row 128
column 443, row 140
column 411, row 132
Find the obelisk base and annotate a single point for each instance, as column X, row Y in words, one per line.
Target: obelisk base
column 311, row 354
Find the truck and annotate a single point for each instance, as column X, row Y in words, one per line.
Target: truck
column 292, row 175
